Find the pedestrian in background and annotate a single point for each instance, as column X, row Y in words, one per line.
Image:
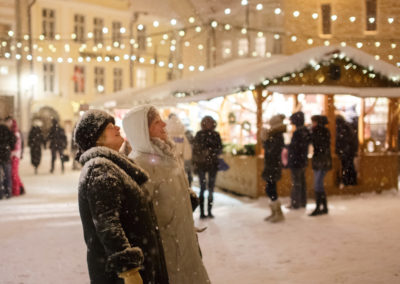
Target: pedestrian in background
column 58, row 143
column 207, row 146
column 16, row 154
column 169, row 190
column 7, row 143
column 273, row 146
column 346, row 148
column 321, row 160
column 119, row 224
column 297, row 160
column 35, row 142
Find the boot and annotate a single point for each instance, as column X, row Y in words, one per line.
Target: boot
column 272, row 212
column 209, row 207
column 202, row 215
column 276, row 207
column 318, row 202
column 324, row 204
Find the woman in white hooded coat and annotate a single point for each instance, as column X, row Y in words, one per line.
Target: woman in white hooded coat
column 170, row 193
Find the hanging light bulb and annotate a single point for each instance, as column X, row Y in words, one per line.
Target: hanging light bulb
column 352, row 19
column 227, row 27
column 214, row 24
column 173, row 22
column 198, row 29
column 334, row 17
column 390, row 20
column 359, row 44
column 310, row 41
column 259, row 7
column 296, row 14
column 315, row 16
column 227, row 11
column 191, row 20
column 277, row 11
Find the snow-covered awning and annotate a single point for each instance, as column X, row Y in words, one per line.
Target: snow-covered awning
column 242, row 74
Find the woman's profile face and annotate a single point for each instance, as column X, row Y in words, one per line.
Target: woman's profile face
column 111, row 137
column 157, row 128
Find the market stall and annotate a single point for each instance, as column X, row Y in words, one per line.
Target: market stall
column 324, row 74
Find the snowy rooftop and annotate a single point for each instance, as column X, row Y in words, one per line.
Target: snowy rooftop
column 233, row 76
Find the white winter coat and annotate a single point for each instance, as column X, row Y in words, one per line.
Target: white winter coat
column 169, row 190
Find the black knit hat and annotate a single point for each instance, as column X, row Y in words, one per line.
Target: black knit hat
column 320, row 119
column 90, row 127
column 297, row 118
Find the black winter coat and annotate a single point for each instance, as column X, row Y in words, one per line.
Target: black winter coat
column 273, row 146
column 321, row 140
column 119, row 223
column 207, row 146
column 35, row 143
column 57, row 138
column 7, row 143
column 298, row 148
column 346, row 144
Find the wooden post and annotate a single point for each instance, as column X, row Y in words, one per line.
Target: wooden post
column 392, row 125
column 361, row 128
column 258, row 97
column 329, row 111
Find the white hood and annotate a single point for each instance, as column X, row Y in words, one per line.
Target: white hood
column 136, row 128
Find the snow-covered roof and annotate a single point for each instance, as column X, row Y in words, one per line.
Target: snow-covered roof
column 235, row 75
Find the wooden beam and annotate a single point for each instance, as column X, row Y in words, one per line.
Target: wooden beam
column 329, row 111
column 361, row 128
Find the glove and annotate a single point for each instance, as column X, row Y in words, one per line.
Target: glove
column 131, row 276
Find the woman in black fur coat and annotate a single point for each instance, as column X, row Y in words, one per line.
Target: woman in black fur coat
column 119, row 224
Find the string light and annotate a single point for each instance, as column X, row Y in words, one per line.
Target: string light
column 259, row 6
column 352, row 19
column 173, row 22
column 296, row 14
column 334, row 17
column 390, row 20
column 191, row 20
column 227, row 11
column 315, row 16
column 156, row 24
column 277, row 11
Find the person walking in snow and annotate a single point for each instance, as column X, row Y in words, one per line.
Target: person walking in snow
column 58, row 143
column 321, row 160
column 35, row 142
column 17, row 185
column 207, row 146
column 169, row 190
column 273, row 145
column 7, row 143
column 176, row 131
column 297, row 160
column 118, row 220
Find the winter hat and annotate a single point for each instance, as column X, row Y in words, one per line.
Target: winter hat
column 297, row 118
column 90, row 127
column 276, row 121
column 320, row 119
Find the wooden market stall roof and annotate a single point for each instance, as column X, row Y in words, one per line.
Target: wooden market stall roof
column 332, row 69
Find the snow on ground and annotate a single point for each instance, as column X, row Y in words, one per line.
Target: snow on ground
column 358, row 242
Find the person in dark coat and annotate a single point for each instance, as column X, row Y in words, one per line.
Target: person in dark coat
column 321, row 160
column 58, row 143
column 118, row 219
column 35, row 142
column 346, row 149
column 273, row 145
column 7, row 143
column 207, row 145
column 297, row 160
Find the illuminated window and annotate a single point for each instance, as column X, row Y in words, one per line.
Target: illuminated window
column 116, row 32
column 326, row 19
column 260, row 46
column 141, row 38
column 79, row 79
column 79, row 28
column 141, row 78
column 226, row 49
column 98, row 24
column 99, row 79
column 117, row 79
column 48, row 23
column 243, row 46
column 48, row 77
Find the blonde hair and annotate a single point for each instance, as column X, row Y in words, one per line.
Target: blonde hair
column 151, row 115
